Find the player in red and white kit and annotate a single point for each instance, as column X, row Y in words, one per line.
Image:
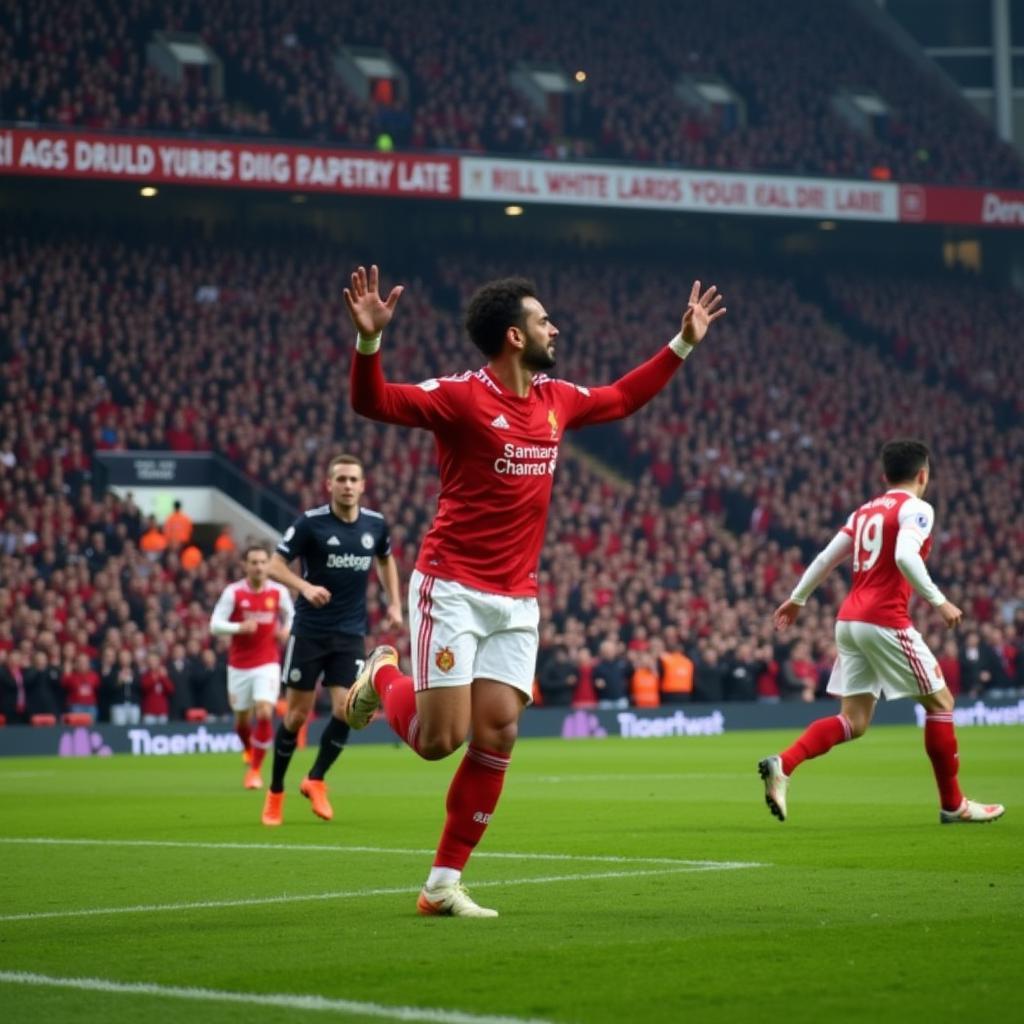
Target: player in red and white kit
column 257, row 614
column 879, row 651
column 472, row 599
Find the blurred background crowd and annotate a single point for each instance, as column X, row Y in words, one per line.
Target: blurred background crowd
column 672, row 535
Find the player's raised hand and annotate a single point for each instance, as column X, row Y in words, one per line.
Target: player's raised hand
column 701, row 312
column 786, row 614
column 370, row 313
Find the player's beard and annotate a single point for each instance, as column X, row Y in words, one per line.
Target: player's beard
column 537, row 355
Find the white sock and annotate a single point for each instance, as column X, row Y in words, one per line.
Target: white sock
column 439, row 877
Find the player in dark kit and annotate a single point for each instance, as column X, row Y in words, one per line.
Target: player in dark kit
column 337, row 543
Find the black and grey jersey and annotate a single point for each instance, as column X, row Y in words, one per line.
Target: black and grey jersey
column 339, row 556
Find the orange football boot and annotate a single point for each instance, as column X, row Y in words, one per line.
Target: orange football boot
column 273, row 809
column 315, row 791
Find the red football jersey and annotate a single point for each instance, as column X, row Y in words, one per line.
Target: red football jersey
column 880, row 593
column 270, row 607
column 497, row 455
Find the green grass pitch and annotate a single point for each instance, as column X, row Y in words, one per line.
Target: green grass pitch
column 860, row 907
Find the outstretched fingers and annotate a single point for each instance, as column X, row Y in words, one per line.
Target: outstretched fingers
column 359, row 282
column 393, row 297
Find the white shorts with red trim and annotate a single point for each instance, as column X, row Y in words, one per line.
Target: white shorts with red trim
column 882, row 660
column 460, row 634
column 260, row 685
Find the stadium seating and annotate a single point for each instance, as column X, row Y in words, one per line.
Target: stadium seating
column 688, row 522
column 84, row 64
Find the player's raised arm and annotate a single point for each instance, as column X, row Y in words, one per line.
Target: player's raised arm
column 369, row 312
column 701, row 312
column 639, row 386
column 411, row 405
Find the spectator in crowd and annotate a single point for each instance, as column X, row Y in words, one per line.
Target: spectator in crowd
column 180, row 670
column 13, row 698
column 225, row 542
column 676, row 673
column 43, row 692
column 798, row 679
column 210, row 682
column 558, row 679
column 81, row 686
column 710, row 675
column 949, row 662
column 156, row 689
column 177, row 528
column 742, row 671
column 122, row 691
column 154, row 541
column 645, row 682
column 610, row 676
column 980, row 670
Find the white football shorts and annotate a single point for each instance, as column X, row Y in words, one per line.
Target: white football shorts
column 460, row 634
column 881, row 660
column 258, row 685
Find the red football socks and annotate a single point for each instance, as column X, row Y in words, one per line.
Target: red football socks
column 244, row 733
column 472, row 797
column 399, row 700
column 262, row 737
column 940, row 743
column 817, row 739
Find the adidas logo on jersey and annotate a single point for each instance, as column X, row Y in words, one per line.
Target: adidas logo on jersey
column 333, row 542
column 500, row 422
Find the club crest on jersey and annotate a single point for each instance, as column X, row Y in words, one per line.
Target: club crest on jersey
column 445, row 659
column 553, row 423
column 270, row 604
column 366, row 540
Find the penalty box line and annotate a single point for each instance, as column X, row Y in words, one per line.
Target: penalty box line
column 176, row 844
column 257, row 901
column 344, row 1007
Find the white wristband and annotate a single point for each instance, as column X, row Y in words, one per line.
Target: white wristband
column 680, row 347
column 367, row 346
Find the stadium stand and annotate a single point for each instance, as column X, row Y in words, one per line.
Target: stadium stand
column 84, row 64
column 675, row 531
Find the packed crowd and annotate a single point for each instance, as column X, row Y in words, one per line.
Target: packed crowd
column 672, row 535
column 85, row 64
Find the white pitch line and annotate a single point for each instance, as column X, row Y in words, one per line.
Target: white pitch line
column 359, row 893
column 346, row 1007
column 382, row 850
column 644, row 777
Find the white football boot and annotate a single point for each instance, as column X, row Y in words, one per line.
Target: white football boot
column 775, row 785
column 970, row 811
column 450, row 900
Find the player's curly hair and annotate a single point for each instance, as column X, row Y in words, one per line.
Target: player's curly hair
column 493, row 309
column 903, row 459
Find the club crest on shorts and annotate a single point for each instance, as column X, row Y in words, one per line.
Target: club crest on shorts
column 445, row 659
